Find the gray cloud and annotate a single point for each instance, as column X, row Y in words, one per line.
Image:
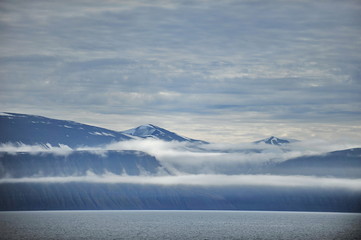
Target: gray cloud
column 35, row 149
column 228, row 63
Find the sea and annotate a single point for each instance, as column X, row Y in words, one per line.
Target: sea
column 178, row 225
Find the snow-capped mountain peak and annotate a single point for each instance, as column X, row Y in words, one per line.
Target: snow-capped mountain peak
column 273, row 141
column 142, row 131
column 153, row 131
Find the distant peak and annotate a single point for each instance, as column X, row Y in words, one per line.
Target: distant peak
column 151, row 125
column 153, row 131
column 273, row 138
column 145, row 126
column 273, row 141
column 148, row 127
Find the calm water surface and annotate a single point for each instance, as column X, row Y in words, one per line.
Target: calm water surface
column 178, row 225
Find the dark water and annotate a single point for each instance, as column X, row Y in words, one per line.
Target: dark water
column 178, row 225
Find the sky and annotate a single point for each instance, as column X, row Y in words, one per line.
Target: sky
column 221, row 71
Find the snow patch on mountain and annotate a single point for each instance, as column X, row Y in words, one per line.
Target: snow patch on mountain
column 102, row 134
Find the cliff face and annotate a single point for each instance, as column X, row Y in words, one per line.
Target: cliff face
column 95, row 196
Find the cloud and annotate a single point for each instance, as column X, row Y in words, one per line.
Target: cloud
column 229, row 63
column 189, row 158
column 184, row 157
column 204, row 180
column 35, row 149
column 197, row 164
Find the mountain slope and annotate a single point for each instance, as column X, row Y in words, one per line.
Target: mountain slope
column 31, row 130
column 343, row 163
column 97, row 196
column 152, row 131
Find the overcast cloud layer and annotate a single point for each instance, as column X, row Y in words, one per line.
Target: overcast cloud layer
column 221, row 71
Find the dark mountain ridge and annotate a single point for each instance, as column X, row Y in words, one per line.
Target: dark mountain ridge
column 32, row 130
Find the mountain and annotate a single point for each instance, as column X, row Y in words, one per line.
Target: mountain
column 152, row 131
column 32, row 130
column 273, row 141
column 72, row 178
column 344, row 163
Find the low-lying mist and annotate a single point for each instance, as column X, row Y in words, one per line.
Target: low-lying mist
column 185, row 157
column 195, row 164
column 202, row 180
